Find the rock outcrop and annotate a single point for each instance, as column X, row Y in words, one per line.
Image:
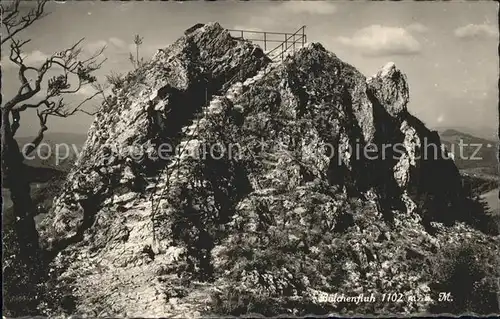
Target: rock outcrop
column 298, row 211
column 390, row 88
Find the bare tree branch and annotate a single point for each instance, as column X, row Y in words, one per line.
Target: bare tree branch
column 11, row 11
column 14, row 23
column 72, row 73
column 38, row 139
column 16, row 57
column 67, row 59
column 53, row 109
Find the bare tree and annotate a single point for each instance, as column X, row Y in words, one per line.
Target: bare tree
column 137, row 61
column 13, row 21
column 40, row 92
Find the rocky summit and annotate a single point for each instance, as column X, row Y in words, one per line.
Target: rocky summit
column 267, row 201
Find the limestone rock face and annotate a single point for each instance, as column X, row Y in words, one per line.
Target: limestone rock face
column 178, row 81
column 268, row 160
column 390, row 88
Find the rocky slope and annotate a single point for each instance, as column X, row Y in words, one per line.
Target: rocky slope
column 294, row 216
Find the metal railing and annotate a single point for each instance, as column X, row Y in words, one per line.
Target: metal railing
column 286, row 41
column 284, row 46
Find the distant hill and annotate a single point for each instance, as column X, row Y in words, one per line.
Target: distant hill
column 67, row 141
column 481, row 175
column 484, row 133
column 479, row 154
column 43, row 170
column 46, row 175
column 57, row 137
column 40, row 174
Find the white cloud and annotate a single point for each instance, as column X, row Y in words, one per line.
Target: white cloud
column 417, row 27
column 119, row 43
column 34, row 59
column 476, row 31
column 95, row 46
column 310, row 7
column 86, row 90
column 248, row 34
column 112, row 43
column 246, row 27
column 377, row 40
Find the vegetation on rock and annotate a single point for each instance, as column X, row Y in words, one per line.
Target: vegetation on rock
column 282, row 226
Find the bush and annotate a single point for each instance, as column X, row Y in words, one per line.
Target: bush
column 115, row 79
column 22, row 277
column 125, row 82
column 469, row 272
column 236, row 302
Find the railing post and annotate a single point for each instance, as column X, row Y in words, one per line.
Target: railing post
column 283, row 46
column 286, row 42
column 303, row 35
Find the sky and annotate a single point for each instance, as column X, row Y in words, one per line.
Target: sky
column 448, row 50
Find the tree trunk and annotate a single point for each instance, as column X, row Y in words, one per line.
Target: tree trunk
column 14, row 172
column 23, row 262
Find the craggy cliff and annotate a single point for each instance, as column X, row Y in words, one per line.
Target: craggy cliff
column 294, row 218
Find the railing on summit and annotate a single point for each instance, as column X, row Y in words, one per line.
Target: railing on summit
column 286, row 40
column 284, row 46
